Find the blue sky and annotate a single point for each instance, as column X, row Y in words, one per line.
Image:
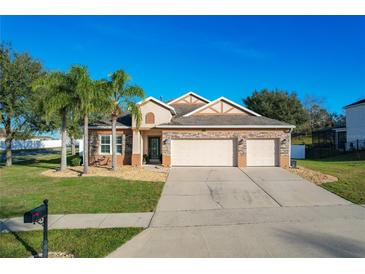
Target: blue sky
column 322, row 56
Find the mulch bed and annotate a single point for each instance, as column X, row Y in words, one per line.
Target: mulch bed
column 148, row 173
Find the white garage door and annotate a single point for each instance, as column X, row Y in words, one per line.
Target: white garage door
column 262, row 152
column 203, row 152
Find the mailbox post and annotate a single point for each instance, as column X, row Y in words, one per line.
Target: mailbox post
column 45, row 231
column 40, row 215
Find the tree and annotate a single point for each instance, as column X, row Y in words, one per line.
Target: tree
column 74, row 129
column 92, row 97
column 319, row 117
column 17, row 109
column 338, row 120
column 122, row 99
column 58, row 99
column 278, row 105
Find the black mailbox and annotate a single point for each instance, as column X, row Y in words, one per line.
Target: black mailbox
column 35, row 214
column 40, row 215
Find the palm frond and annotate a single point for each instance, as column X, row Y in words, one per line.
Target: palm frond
column 135, row 111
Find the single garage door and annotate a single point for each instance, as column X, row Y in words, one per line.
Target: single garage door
column 263, row 152
column 203, row 152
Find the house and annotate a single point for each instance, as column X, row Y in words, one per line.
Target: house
column 193, row 131
column 355, row 125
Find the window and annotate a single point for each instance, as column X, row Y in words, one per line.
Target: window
column 106, row 144
column 105, row 141
column 119, row 144
column 150, row 118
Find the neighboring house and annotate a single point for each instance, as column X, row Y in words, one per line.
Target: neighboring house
column 193, row 131
column 33, row 138
column 355, row 124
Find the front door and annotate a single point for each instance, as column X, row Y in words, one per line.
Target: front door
column 154, row 148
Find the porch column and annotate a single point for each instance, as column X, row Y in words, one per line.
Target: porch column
column 136, row 148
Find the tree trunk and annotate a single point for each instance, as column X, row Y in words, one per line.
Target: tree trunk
column 63, row 143
column 114, row 142
column 86, row 144
column 8, row 140
column 73, row 147
column 9, row 157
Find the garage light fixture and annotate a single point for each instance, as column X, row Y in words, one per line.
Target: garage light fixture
column 240, row 142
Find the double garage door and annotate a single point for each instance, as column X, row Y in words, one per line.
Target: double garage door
column 222, row 152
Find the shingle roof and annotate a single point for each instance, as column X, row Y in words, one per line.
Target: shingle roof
column 182, row 109
column 224, row 120
column 123, row 120
column 362, row 101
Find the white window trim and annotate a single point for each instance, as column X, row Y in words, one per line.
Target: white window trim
column 111, row 143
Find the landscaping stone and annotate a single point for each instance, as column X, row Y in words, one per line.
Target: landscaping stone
column 313, row 176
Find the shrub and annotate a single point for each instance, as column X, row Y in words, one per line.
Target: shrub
column 75, row 161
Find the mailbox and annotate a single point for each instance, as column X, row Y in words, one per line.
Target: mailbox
column 35, row 214
column 40, row 215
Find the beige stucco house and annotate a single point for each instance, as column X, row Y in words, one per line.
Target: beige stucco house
column 193, row 131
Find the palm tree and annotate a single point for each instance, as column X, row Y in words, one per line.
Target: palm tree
column 85, row 94
column 92, row 97
column 58, row 99
column 123, row 97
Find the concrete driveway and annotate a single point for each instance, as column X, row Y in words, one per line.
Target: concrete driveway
column 253, row 212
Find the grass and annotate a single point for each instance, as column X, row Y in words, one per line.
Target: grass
column 22, row 187
column 82, row 243
column 302, row 140
column 349, row 169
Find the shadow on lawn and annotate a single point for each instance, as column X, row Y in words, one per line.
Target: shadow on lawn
column 24, row 243
column 52, row 163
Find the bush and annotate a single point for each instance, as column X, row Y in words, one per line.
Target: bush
column 76, row 161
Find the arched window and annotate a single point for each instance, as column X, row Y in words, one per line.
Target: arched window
column 150, row 118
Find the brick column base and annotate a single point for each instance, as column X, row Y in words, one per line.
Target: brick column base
column 166, row 160
column 284, row 160
column 241, row 160
column 136, row 159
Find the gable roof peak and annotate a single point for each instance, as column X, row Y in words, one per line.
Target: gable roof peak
column 222, row 98
column 151, row 98
column 187, row 94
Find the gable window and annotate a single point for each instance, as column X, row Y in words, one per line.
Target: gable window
column 105, row 144
column 150, row 118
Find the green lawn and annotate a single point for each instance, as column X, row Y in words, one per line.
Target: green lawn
column 302, row 140
column 349, row 169
column 82, row 243
column 22, row 187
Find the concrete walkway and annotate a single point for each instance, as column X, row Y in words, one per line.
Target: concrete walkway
column 253, row 212
column 70, row 221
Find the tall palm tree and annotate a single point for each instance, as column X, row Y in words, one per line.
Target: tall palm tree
column 85, row 94
column 123, row 99
column 58, row 98
column 92, row 97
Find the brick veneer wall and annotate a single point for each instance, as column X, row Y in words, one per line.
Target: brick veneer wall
column 106, row 160
column 239, row 135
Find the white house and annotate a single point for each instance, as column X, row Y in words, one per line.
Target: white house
column 355, row 124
